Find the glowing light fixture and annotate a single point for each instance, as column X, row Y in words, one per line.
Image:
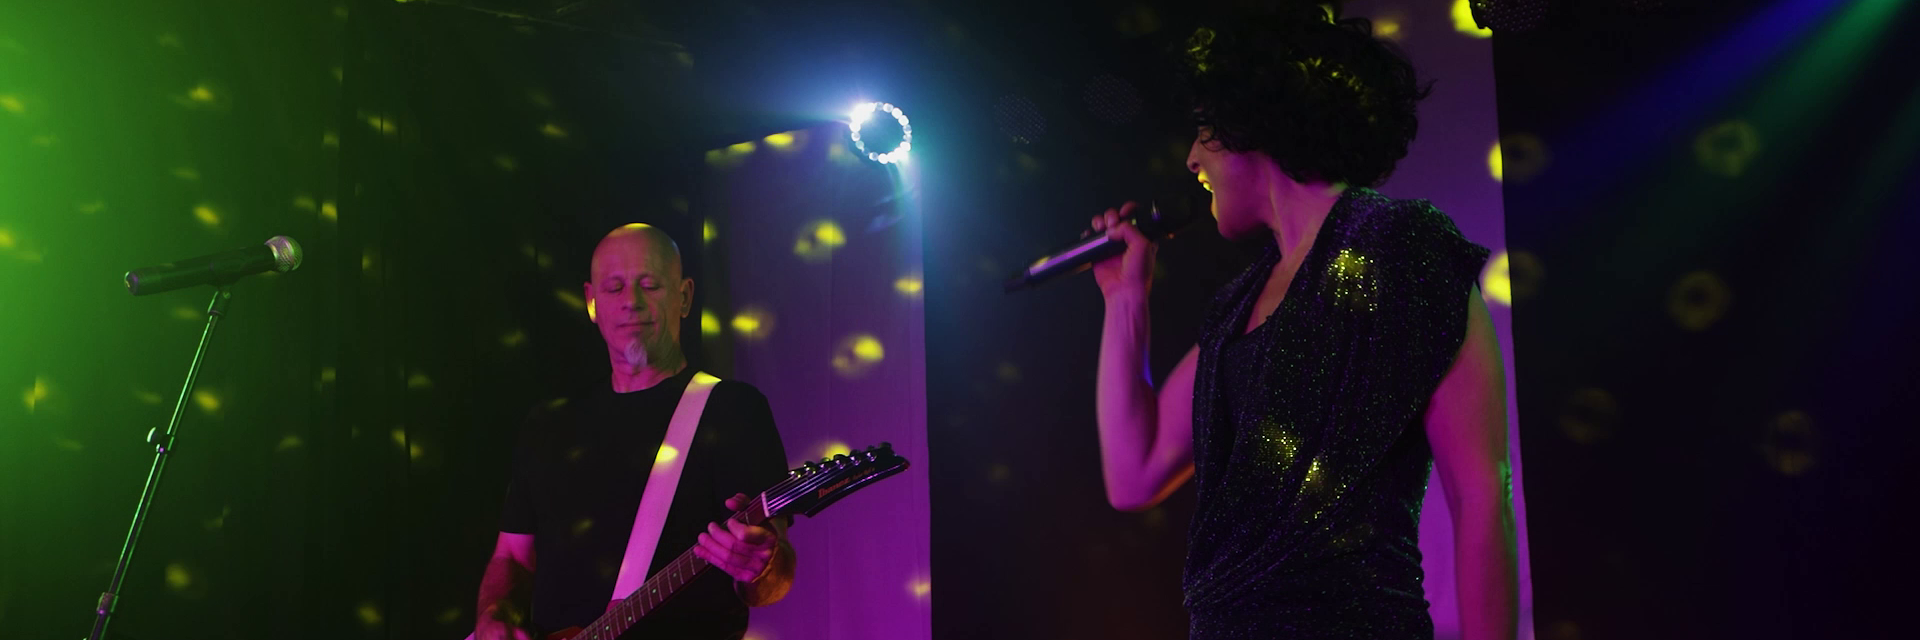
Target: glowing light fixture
column 864, row 113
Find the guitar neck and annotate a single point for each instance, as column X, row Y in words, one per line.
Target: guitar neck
column 661, row 585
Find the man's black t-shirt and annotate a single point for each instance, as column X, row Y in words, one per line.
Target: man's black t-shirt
column 578, row 474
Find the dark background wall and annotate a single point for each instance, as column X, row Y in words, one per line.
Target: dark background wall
column 1713, row 314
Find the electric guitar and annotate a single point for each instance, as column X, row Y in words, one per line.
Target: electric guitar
column 807, row 491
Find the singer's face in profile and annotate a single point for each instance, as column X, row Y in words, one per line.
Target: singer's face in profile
column 1237, row 181
column 638, row 293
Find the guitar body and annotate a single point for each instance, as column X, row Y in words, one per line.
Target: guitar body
column 807, row 491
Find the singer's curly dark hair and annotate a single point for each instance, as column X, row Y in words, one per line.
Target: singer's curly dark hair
column 1316, row 92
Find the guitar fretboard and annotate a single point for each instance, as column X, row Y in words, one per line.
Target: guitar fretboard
column 661, row 586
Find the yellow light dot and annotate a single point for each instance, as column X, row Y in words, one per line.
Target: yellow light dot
column 780, row 140
column 200, row 93
column 868, row 348
column 368, row 614
column 6, row 239
column 207, row 400
column 366, row 261
column 818, row 240
column 838, row 152
column 414, row 452
column 328, row 374
column 399, row 437
column 383, row 124
column 514, row 339
column 570, row 298
column 857, row 354
column 593, row 314
column 740, row 148
column 329, row 139
column 305, row 202
column 909, row 285
column 552, row 130
column 206, row 215
column 1496, row 284
column 709, row 324
column 835, row 449
column 36, row 393
column 830, row 234
column 178, row 577
column 147, row 397
column 1493, row 161
column 1727, row 148
column 582, row 526
column 1387, row 29
column 183, row 312
column 753, row 323
column 666, row 454
column 920, row 588
column 506, row 162
column 1463, row 21
column 288, row 442
column 708, row 232
column 716, row 157
column 12, row 104
column 419, row 381
column 330, row 212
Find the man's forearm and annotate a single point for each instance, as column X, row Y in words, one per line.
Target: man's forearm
column 498, row 591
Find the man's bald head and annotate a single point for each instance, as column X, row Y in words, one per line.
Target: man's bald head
column 637, row 294
column 647, row 240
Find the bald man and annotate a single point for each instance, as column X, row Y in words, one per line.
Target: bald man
column 580, row 469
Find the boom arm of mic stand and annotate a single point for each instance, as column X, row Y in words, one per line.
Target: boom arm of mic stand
column 162, row 446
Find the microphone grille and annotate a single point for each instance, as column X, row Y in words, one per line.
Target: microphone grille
column 286, row 253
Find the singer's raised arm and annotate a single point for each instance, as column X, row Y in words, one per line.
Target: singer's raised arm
column 1146, row 433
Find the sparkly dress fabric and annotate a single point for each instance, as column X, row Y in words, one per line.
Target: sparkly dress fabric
column 1310, row 454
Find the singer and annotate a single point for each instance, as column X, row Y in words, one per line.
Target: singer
column 1351, row 357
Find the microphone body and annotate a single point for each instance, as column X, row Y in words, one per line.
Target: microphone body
column 280, row 254
column 1081, row 255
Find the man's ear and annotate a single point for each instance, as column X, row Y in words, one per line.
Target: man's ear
column 686, row 297
column 587, row 290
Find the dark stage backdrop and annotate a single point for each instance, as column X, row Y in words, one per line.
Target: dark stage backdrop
column 1711, row 210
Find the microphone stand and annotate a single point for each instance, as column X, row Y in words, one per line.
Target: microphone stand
column 162, row 445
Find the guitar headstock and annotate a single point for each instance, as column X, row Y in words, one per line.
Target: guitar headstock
column 814, row 486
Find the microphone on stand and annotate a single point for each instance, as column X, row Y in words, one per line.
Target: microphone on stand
column 1081, row 255
column 279, row 253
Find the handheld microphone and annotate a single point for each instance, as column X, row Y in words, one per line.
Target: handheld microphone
column 1081, row 255
column 279, row 253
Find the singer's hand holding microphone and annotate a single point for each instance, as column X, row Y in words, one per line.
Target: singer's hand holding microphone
column 1129, row 274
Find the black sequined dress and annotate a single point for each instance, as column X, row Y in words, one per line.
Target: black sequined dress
column 1310, row 456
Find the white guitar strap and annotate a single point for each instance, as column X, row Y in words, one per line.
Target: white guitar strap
column 657, row 498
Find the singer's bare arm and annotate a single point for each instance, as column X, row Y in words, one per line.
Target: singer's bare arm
column 509, row 570
column 1146, row 434
column 1467, row 424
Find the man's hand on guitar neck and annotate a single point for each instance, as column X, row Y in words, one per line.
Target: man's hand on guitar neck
column 741, row 550
column 757, row 557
